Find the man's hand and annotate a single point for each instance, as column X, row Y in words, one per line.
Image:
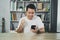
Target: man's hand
column 34, row 30
column 21, row 26
column 42, row 30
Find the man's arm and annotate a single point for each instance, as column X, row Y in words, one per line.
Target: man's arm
column 21, row 26
column 40, row 24
column 42, row 30
column 20, row 29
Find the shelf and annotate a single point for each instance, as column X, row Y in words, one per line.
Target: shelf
column 42, row 12
column 16, row 21
column 46, row 22
column 24, row 12
column 17, row 12
column 35, row 1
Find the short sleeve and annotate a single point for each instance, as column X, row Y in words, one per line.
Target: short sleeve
column 39, row 23
column 19, row 24
column 20, row 21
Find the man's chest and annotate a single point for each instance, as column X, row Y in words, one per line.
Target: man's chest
column 28, row 25
column 31, row 22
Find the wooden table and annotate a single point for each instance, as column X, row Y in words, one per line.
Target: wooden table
column 29, row 36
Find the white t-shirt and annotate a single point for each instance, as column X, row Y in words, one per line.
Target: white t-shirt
column 35, row 21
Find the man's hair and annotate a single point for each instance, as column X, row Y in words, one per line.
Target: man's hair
column 32, row 6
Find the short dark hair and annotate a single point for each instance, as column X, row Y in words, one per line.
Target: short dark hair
column 32, row 6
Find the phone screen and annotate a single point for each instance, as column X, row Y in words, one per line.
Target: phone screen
column 33, row 27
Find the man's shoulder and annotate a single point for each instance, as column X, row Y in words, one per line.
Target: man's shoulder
column 37, row 17
column 23, row 18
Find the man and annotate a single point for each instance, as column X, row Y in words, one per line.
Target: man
column 30, row 19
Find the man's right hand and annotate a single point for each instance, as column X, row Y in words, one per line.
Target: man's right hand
column 21, row 26
column 34, row 30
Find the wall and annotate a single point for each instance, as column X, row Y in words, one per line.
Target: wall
column 58, row 17
column 5, row 12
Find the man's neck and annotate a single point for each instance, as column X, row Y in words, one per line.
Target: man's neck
column 29, row 18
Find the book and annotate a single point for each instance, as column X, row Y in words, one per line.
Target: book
column 18, row 15
column 42, row 17
column 14, row 16
column 12, row 5
column 39, row 6
column 15, row 6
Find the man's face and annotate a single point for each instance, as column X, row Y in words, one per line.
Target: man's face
column 30, row 13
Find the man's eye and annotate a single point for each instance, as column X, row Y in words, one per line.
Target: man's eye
column 29, row 12
column 32, row 13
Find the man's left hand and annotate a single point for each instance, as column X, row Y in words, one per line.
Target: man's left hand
column 34, row 30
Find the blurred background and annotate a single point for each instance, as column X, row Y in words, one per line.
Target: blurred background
column 12, row 10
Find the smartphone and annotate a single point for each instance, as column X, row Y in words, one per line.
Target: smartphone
column 33, row 27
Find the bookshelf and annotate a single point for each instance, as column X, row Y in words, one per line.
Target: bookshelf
column 18, row 8
column 24, row 12
column 34, row 1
